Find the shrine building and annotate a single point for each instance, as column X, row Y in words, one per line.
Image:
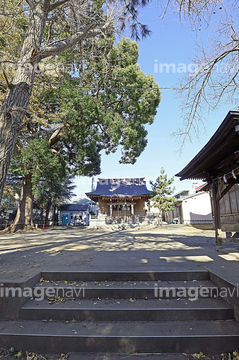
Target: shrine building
column 120, row 198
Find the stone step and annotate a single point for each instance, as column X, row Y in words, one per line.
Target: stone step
column 142, row 356
column 125, row 275
column 121, row 337
column 123, row 313
column 127, row 310
column 127, row 289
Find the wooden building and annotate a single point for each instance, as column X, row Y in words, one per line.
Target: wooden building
column 120, row 198
column 218, row 164
column 75, row 214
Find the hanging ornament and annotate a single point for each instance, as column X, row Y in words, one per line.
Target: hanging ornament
column 233, row 175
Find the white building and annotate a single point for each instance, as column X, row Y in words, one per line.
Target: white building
column 193, row 206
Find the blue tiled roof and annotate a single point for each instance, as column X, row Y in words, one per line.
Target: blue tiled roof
column 74, row 207
column 120, row 187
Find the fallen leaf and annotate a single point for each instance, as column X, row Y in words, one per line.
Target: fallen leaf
column 236, row 354
column 198, row 356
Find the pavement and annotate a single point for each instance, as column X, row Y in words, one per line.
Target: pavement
column 159, row 249
column 170, row 248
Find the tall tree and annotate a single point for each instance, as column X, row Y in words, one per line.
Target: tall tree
column 34, row 164
column 161, row 196
column 107, row 107
column 99, row 111
column 49, row 29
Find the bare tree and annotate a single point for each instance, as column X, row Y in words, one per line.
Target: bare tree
column 52, row 27
column 213, row 78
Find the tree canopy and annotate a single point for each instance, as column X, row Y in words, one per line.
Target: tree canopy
column 107, row 108
column 83, row 116
column 45, row 30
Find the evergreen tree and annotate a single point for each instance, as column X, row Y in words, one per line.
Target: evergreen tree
column 35, row 166
column 48, row 30
column 107, row 107
column 161, row 196
column 79, row 123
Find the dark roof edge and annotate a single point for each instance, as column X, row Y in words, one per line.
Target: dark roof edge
column 209, row 149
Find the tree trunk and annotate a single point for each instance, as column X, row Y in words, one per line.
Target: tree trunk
column 55, row 217
column 19, row 90
column 48, row 207
column 23, row 219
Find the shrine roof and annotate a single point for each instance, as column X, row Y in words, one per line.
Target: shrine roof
column 127, row 187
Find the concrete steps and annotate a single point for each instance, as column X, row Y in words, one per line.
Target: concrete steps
column 123, row 313
column 128, row 289
column 125, row 310
column 123, row 337
column 125, row 275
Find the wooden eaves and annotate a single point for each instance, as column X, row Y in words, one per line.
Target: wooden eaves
column 218, row 164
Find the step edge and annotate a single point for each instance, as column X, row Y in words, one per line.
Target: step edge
column 125, row 309
column 123, row 336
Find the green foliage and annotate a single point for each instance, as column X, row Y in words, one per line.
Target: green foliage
column 13, row 28
column 33, row 156
column 51, row 183
column 8, row 201
column 107, row 108
column 162, row 191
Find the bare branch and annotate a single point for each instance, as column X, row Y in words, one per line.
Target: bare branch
column 5, row 76
column 55, row 137
column 49, row 32
column 31, row 3
column 2, row 88
column 64, row 44
column 58, row 133
column 56, row 14
column 57, row 4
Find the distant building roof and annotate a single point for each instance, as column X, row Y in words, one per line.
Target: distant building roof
column 185, row 193
column 203, row 187
column 120, row 188
column 181, row 194
column 74, row 207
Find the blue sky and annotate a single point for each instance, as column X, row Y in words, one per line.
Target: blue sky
column 170, row 42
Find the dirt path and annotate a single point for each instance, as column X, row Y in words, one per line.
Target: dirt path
column 21, row 255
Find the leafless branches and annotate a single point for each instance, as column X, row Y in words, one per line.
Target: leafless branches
column 57, row 4
column 214, row 79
